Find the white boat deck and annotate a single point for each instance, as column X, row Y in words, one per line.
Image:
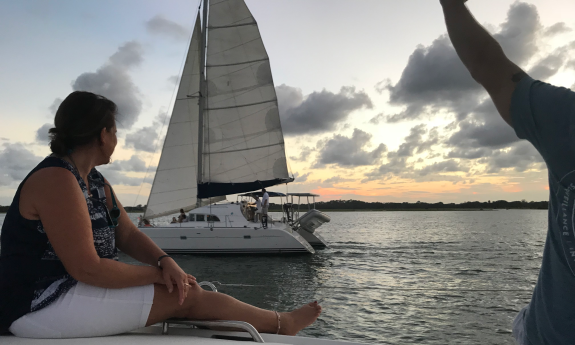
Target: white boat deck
column 177, row 336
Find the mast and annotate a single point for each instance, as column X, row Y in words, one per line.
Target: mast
column 203, row 91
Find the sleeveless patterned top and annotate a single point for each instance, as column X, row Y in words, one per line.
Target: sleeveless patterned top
column 31, row 274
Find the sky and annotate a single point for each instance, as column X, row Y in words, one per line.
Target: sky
column 374, row 103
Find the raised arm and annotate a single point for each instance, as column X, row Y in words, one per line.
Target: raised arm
column 482, row 55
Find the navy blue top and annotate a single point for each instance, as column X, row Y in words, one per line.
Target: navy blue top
column 31, row 274
column 545, row 115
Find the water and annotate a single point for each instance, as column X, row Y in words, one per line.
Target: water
column 399, row 277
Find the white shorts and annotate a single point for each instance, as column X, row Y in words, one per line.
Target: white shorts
column 88, row 311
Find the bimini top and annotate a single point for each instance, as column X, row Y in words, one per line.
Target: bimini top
column 302, row 194
column 259, row 194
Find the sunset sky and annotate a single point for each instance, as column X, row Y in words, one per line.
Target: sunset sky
column 374, row 103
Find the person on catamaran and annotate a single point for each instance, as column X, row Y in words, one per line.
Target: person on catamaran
column 545, row 116
column 59, row 271
column 258, row 210
column 182, row 217
column 265, row 207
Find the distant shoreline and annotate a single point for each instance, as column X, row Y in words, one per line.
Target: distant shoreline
column 398, row 210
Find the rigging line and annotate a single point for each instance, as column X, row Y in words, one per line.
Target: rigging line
column 239, row 63
column 246, row 149
column 231, row 26
column 234, row 47
column 243, row 105
column 172, row 98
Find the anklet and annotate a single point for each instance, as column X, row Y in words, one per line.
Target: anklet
column 279, row 322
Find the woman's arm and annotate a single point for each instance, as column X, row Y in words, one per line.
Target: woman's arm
column 130, row 240
column 59, row 203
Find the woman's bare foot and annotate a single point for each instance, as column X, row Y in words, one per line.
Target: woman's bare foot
column 296, row 320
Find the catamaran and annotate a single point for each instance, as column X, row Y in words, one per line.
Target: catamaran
column 225, row 137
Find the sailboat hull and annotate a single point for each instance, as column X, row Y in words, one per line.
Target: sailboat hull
column 228, row 240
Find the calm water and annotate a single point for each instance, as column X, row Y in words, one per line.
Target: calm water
column 399, row 277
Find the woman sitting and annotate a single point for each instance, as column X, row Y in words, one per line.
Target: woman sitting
column 59, row 271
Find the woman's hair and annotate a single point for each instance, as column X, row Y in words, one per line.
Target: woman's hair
column 80, row 120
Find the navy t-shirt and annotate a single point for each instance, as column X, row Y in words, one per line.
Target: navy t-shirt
column 545, row 116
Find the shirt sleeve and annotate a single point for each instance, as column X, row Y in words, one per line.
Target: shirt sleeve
column 545, row 115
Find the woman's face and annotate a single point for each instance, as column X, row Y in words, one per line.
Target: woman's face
column 108, row 143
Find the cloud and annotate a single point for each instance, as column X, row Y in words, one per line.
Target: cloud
column 143, row 139
column 147, row 138
column 520, row 157
column 377, row 119
column 113, row 81
column 318, row 112
column 134, row 164
column 54, row 106
column 159, row 25
column 349, row 152
column 301, row 178
column 16, row 161
column 42, row 134
column 118, row 178
column 174, row 80
column 304, row 154
column 418, row 141
column 330, row 182
column 435, row 78
column 444, row 166
column 519, row 33
column 401, row 163
column 556, row 29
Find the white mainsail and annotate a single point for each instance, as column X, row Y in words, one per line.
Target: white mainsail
column 243, row 146
column 175, row 184
column 243, row 139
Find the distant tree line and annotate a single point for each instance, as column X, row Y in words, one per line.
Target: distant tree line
column 347, row 205
column 407, row 206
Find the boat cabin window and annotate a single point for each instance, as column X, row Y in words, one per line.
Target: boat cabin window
column 200, row 218
column 191, row 217
column 212, row 218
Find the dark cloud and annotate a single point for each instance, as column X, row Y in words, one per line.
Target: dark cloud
column 435, row 78
column 556, row 29
column 147, row 138
column 159, row 25
column 444, row 166
column 548, row 66
column 318, row 112
column 134, row 164
column 349, row 152
column 483, row 128
column 113, row 81
column 519, row 33
column 16, row 161
column 520, row 157
column 143, row 139
column 419, row 140
column 42, row 133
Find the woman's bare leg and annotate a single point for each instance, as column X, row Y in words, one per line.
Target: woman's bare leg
column 207, row 305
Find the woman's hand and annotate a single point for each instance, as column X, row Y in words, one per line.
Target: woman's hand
column 173, row 274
